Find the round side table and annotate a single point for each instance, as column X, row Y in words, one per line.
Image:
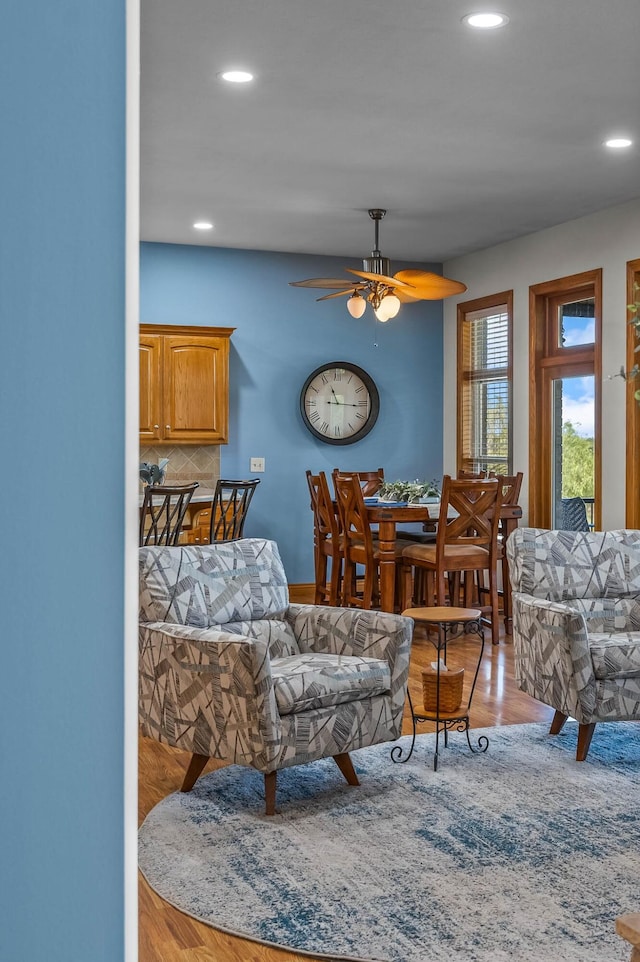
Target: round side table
column 445, row 619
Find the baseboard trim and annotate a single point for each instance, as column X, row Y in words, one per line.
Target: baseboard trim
column 302, row 594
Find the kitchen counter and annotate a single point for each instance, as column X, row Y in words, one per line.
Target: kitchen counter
column 201, row 495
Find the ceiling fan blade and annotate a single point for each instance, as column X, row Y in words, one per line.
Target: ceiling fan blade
column 406, row 298
column 381, row 278
column 328, row 283
column 351, row 290
column 427, row 286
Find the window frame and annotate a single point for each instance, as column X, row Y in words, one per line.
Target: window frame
column 548, row 361
column 502, row 301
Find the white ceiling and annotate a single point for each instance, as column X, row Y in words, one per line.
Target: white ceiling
column 467, row 138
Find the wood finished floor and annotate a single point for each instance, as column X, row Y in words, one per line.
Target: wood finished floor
column 167, row 935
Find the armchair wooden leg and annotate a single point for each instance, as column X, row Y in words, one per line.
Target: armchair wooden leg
column 585, row 733
column 558, row 722
column 345, row 765
column 270, row 780
column 196, row 766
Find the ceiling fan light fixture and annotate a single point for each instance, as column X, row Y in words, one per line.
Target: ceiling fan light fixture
column 487, row 20
column 386, row 307
column 356, row 305
column 391, row 305
column 381, row 314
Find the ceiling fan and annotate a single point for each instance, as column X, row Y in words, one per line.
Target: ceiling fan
column 375, row 285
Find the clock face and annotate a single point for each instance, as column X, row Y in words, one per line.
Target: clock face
column 339, row 403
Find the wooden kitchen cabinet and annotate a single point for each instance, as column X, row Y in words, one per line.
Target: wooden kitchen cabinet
column 184, row 384
column 200, row 528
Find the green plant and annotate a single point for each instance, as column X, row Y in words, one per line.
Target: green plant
column 410, row 491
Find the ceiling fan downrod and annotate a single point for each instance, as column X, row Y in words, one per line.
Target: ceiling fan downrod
column 376, row 264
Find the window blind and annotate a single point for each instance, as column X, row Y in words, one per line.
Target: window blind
column 484, row 391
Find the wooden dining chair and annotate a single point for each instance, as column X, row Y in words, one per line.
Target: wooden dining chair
column 465, row 543
column 359, row 545
column 370, row 481
column 465, row 474
column 511, row 485
column 231, row 502
column 162, row 513
column 327, row 541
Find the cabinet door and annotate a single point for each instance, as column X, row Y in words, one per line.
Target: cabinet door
column 150, row 387
column 195, row 388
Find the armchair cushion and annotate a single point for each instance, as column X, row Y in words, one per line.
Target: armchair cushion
column 609, row 614
column 309, row 681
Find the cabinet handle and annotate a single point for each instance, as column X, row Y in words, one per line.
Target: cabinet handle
column 155, row 427
column 167, row 427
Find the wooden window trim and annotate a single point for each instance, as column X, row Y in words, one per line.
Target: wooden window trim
column 551, row 361
column 632, row 518
column 553, row 349
column 469, row 307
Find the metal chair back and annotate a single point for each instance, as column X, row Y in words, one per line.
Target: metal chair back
column 229, row 509
column 163, row 509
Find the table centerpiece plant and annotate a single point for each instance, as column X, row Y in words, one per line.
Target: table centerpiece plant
column 411, row 491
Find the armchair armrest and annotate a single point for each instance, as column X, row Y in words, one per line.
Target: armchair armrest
column 553, row 660
column 209, row 692
column 352, row 631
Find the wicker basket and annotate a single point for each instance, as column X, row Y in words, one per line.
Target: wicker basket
column 451, row 683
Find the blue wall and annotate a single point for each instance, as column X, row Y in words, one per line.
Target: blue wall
column 281, row 335
column 62, row 103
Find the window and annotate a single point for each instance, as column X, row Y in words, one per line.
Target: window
column 564, row 431
column 484, row 384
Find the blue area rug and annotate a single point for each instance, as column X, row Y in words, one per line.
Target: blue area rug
column 518, row 854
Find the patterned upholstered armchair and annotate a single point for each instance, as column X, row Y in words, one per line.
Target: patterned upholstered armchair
column 230, row 670
column 576, row 624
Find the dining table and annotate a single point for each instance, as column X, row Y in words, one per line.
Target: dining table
column 388, row 516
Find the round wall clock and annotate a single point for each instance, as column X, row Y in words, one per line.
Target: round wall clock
column 339, row 403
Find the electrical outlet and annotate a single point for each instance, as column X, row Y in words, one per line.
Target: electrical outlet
column 257, row 464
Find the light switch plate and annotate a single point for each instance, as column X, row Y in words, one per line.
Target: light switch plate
column 257, row 464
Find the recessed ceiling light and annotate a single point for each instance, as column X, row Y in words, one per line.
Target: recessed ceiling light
column 236, row 76
column 617, row 143
column 485, row 21
column 203, row 225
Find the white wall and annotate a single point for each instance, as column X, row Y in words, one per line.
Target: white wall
column 608, row 240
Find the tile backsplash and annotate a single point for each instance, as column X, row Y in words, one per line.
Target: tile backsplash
column 186, row 462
